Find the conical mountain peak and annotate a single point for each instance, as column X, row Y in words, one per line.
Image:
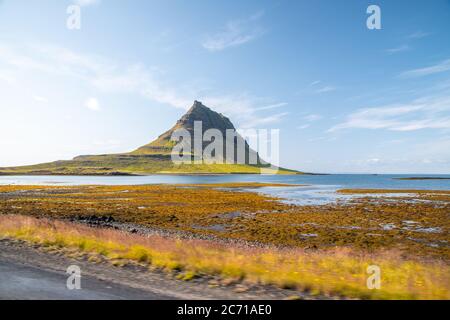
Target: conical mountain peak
column 209, row 118
column 198, row 112
column 198, row 106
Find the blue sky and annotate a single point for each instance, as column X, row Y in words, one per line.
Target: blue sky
column 345, row 98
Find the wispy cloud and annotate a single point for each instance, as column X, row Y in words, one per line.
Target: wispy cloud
column 7, row 77
column 437, row 68
column 398, row 49
column 264, row 121
column 235, row 33
column 325, row 89
column 86, row 3
column 424, row 113
column 272, row 106
column 316, row 87
column 109, row 76
column 40, row 99
column 99, row 72
column 243, row 108
column 308, row 119
column 312, row 117
column 92, row 104
column 418, row 35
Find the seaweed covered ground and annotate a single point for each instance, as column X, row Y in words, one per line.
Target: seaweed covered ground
column 414, row 223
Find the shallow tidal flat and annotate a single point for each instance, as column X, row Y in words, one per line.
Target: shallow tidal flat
column 414, row 223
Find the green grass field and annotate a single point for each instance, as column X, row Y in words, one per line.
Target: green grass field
column 130, row 164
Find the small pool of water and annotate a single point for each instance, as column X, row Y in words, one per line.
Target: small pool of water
column 318, row 194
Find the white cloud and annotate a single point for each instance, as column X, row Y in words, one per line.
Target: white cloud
column 137, row 79
column 317, row 139
column 312, row 117
column 92, row 104
column 437, row 68
column 373, row 160
column 53, row 60
column 325, row 89
column 418, row 35
column 243, row 108
column 273, row 106
column 86, row 3
column 309, row 119
column 106, row 75
column 7, row 76
column 401, row 48
column 98, row 71
column 235, row 33
column 424, row 113
column 314, row 83
column 263, row 121
column 40, row 99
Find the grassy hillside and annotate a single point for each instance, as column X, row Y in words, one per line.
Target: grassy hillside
column 127, row 164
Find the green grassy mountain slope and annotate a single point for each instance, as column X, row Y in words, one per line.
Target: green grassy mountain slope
column 154, row 157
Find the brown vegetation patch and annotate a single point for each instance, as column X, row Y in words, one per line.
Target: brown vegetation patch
column 416, row 228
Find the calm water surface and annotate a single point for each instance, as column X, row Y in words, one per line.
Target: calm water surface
column 320, row 189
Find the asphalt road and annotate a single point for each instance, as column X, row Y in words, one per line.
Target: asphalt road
column 19, row 281
column 29, row 273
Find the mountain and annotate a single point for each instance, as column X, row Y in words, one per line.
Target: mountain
column 155, row 157
column 198, row 112
column 209, row 120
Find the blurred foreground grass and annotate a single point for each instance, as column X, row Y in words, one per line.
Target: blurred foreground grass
column 339, row 272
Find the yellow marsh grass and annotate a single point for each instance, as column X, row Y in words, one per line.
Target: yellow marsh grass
column 338, row 272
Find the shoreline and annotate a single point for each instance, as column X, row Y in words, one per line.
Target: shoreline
column 124, row 174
